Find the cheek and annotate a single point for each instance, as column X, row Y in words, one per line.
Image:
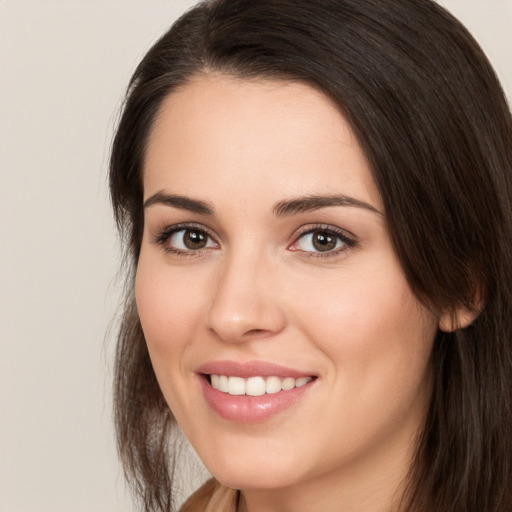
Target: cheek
column 370, row 324
column 378, row 339
column 169, row 307
column 168, row 310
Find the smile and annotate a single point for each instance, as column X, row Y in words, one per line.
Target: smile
column 255, row 391
column 255, row 386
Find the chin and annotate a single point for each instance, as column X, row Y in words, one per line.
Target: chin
column 256, row 480
column 245, row 472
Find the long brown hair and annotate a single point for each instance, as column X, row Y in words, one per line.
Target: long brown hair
column 432, row 120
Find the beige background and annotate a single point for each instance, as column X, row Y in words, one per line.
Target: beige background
column 63, row 68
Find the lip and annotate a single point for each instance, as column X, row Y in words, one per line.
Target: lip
column 251, row 409
column 250, row 369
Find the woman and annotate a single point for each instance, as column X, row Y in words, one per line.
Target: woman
column 315, row 198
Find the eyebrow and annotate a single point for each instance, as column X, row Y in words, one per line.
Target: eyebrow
column 312, row 203
column 281, row 209
column 181, row 202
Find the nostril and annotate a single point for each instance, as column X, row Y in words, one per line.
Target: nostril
column 256, row 334
column 240, row 320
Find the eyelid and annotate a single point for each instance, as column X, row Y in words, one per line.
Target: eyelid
column 163, row 235
column 349, row 240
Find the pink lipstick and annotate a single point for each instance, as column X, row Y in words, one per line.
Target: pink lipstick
column 254, row 391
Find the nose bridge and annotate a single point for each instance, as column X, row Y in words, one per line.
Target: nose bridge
column 244, row 302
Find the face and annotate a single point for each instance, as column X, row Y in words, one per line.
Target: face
column 280, row 325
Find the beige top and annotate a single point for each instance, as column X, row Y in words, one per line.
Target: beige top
column 212, row 497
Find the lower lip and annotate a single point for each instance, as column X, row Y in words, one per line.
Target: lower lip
column 251, row 409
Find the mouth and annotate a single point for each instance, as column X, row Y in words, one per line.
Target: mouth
column 255, row 386
column 253, row 392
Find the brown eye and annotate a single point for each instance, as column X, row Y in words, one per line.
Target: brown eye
column 190, row 239
column 195, row 239
column 322, row 241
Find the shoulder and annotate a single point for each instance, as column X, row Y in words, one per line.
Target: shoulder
column 212, row 497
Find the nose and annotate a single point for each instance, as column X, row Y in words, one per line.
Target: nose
column 245, row 302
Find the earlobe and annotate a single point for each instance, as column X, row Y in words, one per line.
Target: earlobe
column 459, row 318
column 463, row 316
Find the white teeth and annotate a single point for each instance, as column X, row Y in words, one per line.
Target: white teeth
column 288, row 383
column 302, row 382
column 236, row 386
column 273, row 385
column 223, row 384
column 255, row 386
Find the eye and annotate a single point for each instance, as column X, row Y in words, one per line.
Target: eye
column 186, row 239
column 322, row 240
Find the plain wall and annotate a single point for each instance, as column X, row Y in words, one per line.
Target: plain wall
column 64, row 66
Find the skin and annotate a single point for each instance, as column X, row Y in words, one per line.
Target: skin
column 260, row 290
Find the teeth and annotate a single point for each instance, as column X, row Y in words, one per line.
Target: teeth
column 223, row 383
column 255, row 386
column 236, row 386
column 288, row 383
column 302, row 382
column 273, row 385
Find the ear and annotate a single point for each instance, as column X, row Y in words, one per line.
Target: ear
column 459, row 318
column 463, row 316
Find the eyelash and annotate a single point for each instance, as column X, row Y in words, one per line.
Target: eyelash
column 164, row 235
column 349, row 242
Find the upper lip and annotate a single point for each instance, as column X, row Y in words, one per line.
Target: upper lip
column 250, row 369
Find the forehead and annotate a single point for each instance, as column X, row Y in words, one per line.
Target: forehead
column 220, row 133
